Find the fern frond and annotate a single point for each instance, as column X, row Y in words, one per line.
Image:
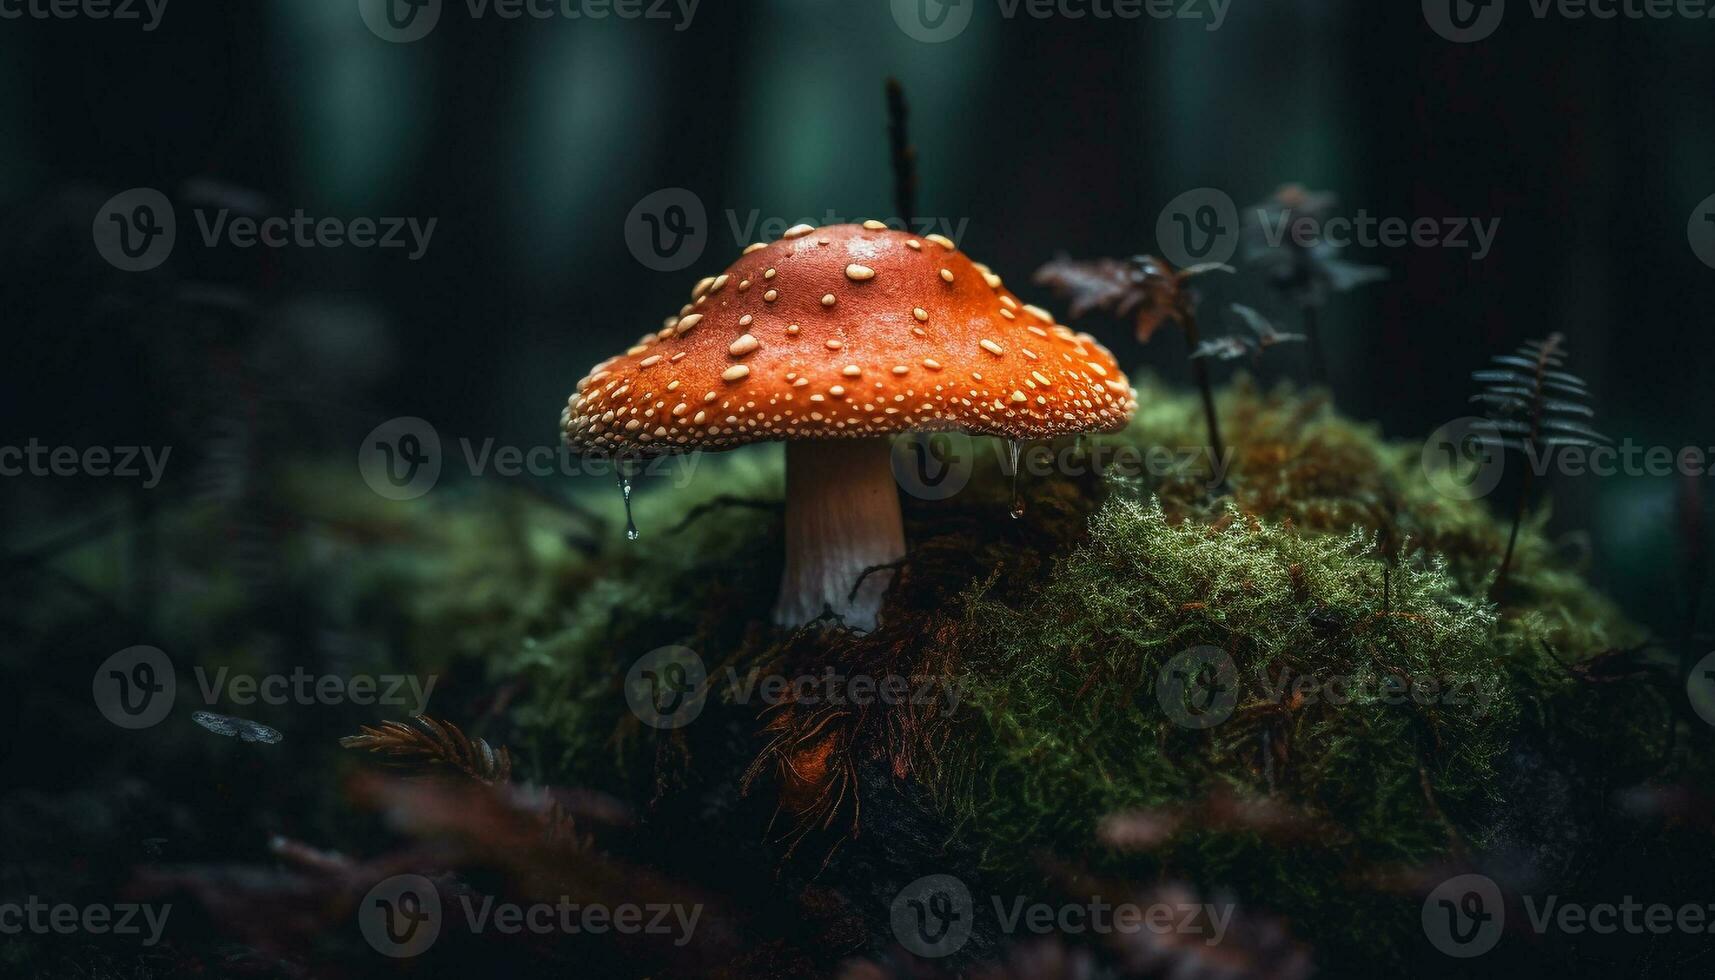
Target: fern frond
column 1527, row 396
column 429, row 746
column 1534, row 405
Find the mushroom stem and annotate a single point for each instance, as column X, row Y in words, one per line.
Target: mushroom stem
column 842, row 516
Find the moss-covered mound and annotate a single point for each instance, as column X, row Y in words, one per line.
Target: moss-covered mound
column 1283, row 679
column 1289, row 685
column 1336, row 601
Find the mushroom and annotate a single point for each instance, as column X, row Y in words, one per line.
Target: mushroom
column 834, row 339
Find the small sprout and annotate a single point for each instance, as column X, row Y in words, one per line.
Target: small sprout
column 1151, row 292
column 1304, row 274
column 1235, row 346
column 1534, row 406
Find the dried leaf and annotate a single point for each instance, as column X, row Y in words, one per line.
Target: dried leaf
column 1143, row 287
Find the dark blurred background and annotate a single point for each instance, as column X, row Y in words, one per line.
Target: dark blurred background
column 529, row 142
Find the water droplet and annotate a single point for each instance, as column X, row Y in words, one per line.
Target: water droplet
column 1013, row 448
column 625, row 474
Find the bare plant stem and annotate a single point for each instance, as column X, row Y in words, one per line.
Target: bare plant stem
column 1536, row 400
column 1200, row 371
column 1512, row 538
column 1313, row 333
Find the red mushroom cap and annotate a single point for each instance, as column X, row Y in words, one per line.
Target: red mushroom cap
column 847, row 331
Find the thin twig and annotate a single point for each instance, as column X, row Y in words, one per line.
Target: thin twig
column 1313, row 332
column 904, row 155
column 725, row 500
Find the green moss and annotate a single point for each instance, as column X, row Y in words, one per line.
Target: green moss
column 699, row 580
column 1329, row 556
column 1063, row 686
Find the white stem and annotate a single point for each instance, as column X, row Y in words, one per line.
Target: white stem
column 842, row 516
